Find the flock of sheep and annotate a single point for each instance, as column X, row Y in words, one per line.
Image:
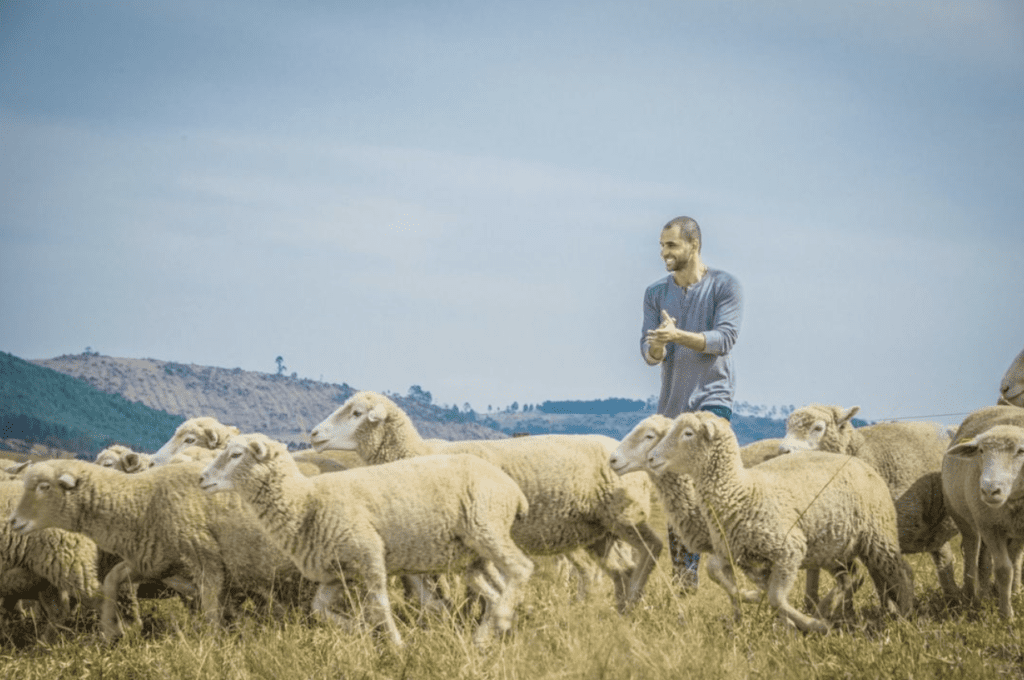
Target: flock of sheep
column 218, row 517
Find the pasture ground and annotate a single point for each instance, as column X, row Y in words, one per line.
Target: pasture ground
column 555, row 637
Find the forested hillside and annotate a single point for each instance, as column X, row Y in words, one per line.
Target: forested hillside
column 38, row 405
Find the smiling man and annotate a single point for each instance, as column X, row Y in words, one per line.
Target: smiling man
column 691, row 322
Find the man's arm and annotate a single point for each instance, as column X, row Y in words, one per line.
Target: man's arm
column 667, row 332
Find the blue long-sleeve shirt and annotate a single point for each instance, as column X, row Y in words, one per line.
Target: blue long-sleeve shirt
column 713, row 306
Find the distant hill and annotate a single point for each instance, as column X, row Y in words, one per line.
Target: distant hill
column 587, row 417
column 83, row 402
column 281, row 407
column 44, row 407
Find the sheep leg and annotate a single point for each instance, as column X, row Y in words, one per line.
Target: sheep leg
column 322, row 606
column 847, row 582
column 377, row 611
column 721, row 572
column 646, row 547
column 499, row 553
column 1002, row 570
column 109, row 619
column 970, row 547
column 812, row 579
column 945, row 568
column 780, row 583
column 210, row 584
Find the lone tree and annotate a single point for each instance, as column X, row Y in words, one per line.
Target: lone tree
column 280, row 365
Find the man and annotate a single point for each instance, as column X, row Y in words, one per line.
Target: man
column 691, row 321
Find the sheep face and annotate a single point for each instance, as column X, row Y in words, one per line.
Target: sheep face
column 682, row 449
column 108, row 458
column 632, row 452
column 344, row 428
column 43, row 504
column 209, row 433
column 241, row 460
column 1011, row 389
column 816, row 428
column 1001, row 452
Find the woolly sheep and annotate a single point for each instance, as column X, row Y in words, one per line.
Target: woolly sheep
column 124, row 459
column 909, row 458
column 160, row 523
column 576, row 498
column 48, row 565
column 681, row 501
column 412, row 516
column 205, row 432
column 984, row 493
column 1011, row 388
column 840, row 510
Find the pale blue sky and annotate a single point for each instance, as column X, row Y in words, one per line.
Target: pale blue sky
column 468, row 196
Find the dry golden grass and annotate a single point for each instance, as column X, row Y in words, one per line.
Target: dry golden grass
column 555, row 636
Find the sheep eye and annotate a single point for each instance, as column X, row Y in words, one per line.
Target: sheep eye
column 190, row 439
column 235, row 454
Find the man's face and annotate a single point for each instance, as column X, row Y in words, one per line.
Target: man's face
column 675, row 250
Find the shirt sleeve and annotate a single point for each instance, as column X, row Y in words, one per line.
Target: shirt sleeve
column 652, row 317
column 728, row 315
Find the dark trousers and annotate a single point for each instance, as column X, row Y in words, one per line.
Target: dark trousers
column 683, row 561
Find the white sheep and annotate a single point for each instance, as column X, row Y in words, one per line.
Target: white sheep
column 577, row 500
column 984, row 493
column 1011, row 388
column 205, row 432
column 413, row 516
column 805, row 509
column 160, row 523
column 682, row 504
column 49, row 565
column 123, row 458
column 909, row 458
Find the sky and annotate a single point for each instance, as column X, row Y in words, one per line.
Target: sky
column 468, row 196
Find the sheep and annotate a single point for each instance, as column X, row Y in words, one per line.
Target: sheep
column 682, row 503
column 577, row 500
column 412, row 516
column 983, row 489
column 205, row 432
column 49, row 565
column 1011, row 388
column 124, row 459
column 159, row 523
column 771, row 527
column 909, row 458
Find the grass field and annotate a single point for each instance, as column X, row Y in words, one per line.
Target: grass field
column 555, row 636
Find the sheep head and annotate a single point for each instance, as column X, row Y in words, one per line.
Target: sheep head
column 631, row 453
column 1011, row 389
column 246, row 457
column 206, row 432
column 44, row 503
column 684, row 447
column 1000, row 450
column 817, row 427
column 351, row 426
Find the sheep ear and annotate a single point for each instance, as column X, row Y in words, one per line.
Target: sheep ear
column 15, row 469
column 234, row 430
column 260, row 451
column 211, row 437
column 845, row 416
column 965, row 448
column 710, row 428
column 377, row 414
column 67, row 481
